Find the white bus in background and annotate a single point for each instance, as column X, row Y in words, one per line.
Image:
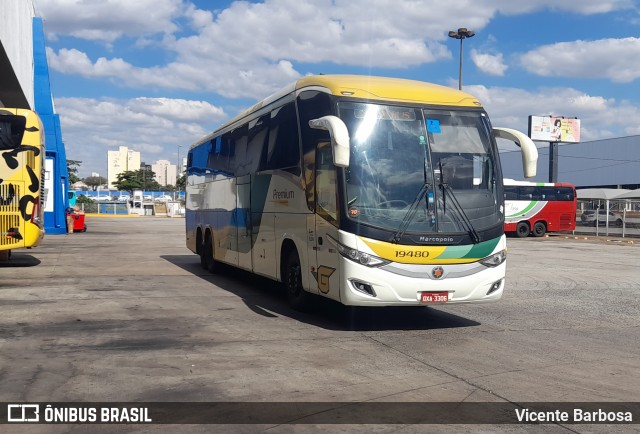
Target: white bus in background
column 370, row 191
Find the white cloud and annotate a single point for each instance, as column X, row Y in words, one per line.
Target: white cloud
column 582, row 7
column 600, row 117
column 108, row 20
column 252, row 49
column 614, row 59
column 153, row 126
column 492, row 64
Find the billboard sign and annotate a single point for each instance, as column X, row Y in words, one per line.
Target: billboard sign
column 554, row 129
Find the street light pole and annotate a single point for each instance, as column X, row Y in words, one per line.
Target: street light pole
column 179, row 171
column 461, row 34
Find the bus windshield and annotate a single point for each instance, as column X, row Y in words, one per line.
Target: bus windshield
column 420, row 170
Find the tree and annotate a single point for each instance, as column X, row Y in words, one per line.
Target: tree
column 84, row 199
column 95, row 181
column 181, row 183
column 72, row 170
column 142, row 179
column 128, row 181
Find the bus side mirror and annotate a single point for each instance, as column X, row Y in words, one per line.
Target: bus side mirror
column 11, row 130
column 339, row 137
column 527, row 148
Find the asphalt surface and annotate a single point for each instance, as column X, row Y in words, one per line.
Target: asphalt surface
column 124, row 313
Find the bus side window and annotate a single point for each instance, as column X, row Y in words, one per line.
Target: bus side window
column 256, row 145
column 283, row 150
column 510, row 192
column 525, row 193
column 238, row 157
column 312, row 104
column 222, row 152
column 565, row 194
column 548, row 193
column 326, row 184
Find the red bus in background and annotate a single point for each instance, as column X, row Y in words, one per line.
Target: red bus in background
column 537, row 207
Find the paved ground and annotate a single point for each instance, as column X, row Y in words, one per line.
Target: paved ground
column 124, row 312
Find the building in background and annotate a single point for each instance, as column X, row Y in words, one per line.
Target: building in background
column 165, row 172
column 122, row 160
column 607, row 163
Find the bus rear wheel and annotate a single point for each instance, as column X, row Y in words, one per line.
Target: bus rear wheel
column 298, row 298
column 206, row 257
column 522, row 230
column 539, row 229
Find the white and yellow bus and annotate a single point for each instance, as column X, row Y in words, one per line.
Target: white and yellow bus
column 21, row 180
column 367, row 190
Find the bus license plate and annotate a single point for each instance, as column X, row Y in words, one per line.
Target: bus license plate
column 434, row 297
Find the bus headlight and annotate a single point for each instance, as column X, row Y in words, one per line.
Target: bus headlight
column 360, row 257
column 495, row 259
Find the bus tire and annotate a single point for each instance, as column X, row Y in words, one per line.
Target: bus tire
column 522, row 230
column 207, row 255
column 200, row 249
column 298, row 298
column 5, row 255
column 539, row 229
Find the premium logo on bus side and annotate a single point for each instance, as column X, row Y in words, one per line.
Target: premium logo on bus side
column 437, row 272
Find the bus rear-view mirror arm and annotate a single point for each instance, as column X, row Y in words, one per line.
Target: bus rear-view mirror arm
column 339, row 137
column 527, row 148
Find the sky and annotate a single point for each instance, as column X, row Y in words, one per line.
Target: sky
column 156, row 75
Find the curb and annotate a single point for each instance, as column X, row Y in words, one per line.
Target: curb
column 112, row 215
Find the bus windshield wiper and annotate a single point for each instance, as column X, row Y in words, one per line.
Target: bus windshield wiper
column 447, row 189
column 410, row 213
column 456, row 205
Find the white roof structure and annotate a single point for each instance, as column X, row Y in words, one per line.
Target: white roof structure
column 631, row 194
column 601, row 193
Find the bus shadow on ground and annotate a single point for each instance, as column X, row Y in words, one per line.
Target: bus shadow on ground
column 20, row 260
column 267, row 298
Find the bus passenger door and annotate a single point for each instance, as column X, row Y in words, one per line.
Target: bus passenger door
column 243, row 221
column 327, row 273
column 263, row 228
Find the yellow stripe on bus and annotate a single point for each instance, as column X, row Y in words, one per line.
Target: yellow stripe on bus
column 413, row 254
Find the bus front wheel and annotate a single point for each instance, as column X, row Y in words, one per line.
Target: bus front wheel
column 298, row 298
column 539, row 229
column 522, row 230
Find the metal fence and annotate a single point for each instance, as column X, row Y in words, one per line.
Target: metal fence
column 104, row 207
column 621, row 219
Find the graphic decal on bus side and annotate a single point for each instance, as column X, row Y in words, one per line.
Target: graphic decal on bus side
column 322, row 277
column 517, row 210
column 431, row 254
column 8, row 191
column 11, row 157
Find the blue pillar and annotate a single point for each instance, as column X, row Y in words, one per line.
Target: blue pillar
column 57, row 178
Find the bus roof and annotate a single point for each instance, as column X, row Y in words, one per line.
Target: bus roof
column 391, row 89
column 514, row 182
column 369, row 87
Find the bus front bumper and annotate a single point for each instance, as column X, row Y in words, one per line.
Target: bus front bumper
column 401, row 284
